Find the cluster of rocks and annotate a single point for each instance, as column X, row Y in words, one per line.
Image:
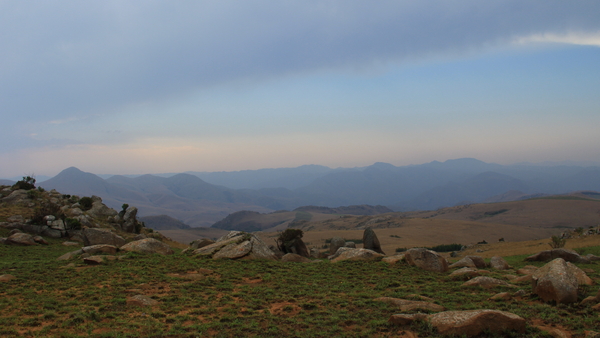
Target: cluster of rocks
column 99, row 253
column 70, row 211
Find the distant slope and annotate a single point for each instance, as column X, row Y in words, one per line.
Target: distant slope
column 349, row 210
column 163, row 222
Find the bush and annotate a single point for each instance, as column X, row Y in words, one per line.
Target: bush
column 27, row 183
column 72, row 224
column 557, row 242
column 446, row 248
column 86, row 203
column 45, row 209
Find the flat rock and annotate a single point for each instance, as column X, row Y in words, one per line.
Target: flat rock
column 465, row 262
column 100, row 249
column 464, row 273
column 96, row 260
column 357, row 255
column 70, row 255
column 148, row 245
column 393, row 259
column 141, row 300
column 292, row 257
column 411, row 305
column 6, row 278
column 406, row 319
column 474, row 322
column 94, row 236
column 487, row 282
column 567, row 255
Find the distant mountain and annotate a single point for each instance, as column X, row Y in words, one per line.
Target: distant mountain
column 363, row 209
column 7, row 182
column 198, row 201
column 163, row 222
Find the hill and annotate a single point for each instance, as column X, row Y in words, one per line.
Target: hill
column 163, row 222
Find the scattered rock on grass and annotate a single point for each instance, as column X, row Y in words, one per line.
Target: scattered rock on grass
column 411, row 305
column 6, row 278
column 567, row 255
column 474, row 322
column 426, row 260
column 141, row 300
column 487, row 282
column 350, row 254
column 20, row 238
column 499, row 263
column 148, row 245
column 292, row 257
column 555, row 281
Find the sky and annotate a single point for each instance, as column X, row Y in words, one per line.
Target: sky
column 135, row 87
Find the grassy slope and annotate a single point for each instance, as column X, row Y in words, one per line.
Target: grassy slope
column 239, row 298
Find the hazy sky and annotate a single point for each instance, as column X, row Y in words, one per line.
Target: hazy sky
column 129, row 87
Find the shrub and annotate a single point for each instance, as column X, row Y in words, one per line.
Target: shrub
column 86, row 203
column 557, row 242
column 27, row 183
column 45, row 209
column 446, row 247
column 72, row 224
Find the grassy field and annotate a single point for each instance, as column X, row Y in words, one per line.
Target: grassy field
column 200, row 297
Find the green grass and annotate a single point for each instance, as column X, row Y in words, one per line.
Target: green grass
column 240, row 298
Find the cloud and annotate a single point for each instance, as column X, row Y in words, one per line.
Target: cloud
column 572, row 38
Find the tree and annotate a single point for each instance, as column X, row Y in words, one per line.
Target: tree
column 27, row 183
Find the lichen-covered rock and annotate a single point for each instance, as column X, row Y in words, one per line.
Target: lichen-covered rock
column 200, row 243
column 237, row 245
column 426, row 260
column 478, row 261
column 474, row 322
column 465, row 262
column 148, row 245
column 487, row 282
column 411, row 305
column 393, row 259
column 555, row 281
column 141, row 300
column 100, row 249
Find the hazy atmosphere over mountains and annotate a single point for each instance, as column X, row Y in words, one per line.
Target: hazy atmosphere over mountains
column 120, row 87
column 202, row 199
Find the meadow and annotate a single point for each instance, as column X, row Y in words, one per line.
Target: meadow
column 199, row 297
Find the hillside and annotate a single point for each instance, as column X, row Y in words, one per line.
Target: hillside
column 163, row 222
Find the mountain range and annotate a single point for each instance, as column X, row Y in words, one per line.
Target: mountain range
column 202, row 199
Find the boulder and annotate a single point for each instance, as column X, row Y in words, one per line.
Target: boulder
column 70, row 255
column 499, row 263
column 335, row 244
column 15, row 197
column 478, row 261
column 464, row 273
column 426, row 260
column 406, row 319
column 567, row 255
column 393, row 259
column 100, row 210
column 371, row 242
column 474, row 322
column 96, row 260
column 350, row 254
column 40, row 240
column 555, row 281
column 411, row 305
column 292, row 257
column 465, row 262
column 350, row 245
column 20, row 238
column 93, row 236
column 148, row 245
column 100, row 249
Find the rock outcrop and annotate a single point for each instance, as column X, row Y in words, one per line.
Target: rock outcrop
column 556, row 281
column 335, row 244
column 353, row 254
column 94, row 236
column 237, row 245
column 567, row 255
column 426, row 260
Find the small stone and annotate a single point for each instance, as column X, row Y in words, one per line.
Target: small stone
column 141, row 300
column 6, row 278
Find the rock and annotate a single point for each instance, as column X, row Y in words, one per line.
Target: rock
column 16, row 219
column 350, row 245
column 465, row 262
column 129, row 220
column 555, row 282
column 371, row 242
column 14, row 231
column 411, row 305
column 487, row 282
column 40, row 240
column 335, row 244
column 406, row 319
column 99, row 210
column 67, row 243
column 201, row 243
column 237, row 245
column 298, row 247
column 501, row 296
column 16, row 197
column 499, row 263
column 148, row 245
column 141, row 300
column 292, row 257
column 70, row 255
column 139, row 236
column 100, row 249
column 351, row 254
column 6, row 278
column 426, row 260
column 592, row 257
column 567, row 255
column 527, row 270
column 580, row 275
column 314, row 253
column 20, row 239
column 393, row 259
column 474, row 322
column 464, row 273
column 94, row 236
column 478, row 261
column 96, row 260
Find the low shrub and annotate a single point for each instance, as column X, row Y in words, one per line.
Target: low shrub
column 86, row 203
